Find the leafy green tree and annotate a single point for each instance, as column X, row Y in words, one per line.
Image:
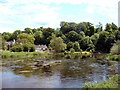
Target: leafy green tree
column 70, row 45
column 86, row 43
column 73, row 36
column 117, row 35
column 7, row 36
column 72, row 50
column 4, row 47
column 114, row 27
column 25, row 38
column 28, row 30
column 26, row 47
column 82, row 34
column 65, row 28
column 60, row 34
column 76, row 46
column 115, row 49
column 57, row 44
column 105, row 41
column 17, row 48
column 108, row 27
column 95, row 38
column 25, row 42
column 99, row 27
column 32, row 48
column 15, row 34
column 47, row 32
column 38, row 35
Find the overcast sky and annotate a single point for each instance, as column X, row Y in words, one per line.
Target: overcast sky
column 19, row 14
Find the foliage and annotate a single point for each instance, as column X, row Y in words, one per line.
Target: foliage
column 87, row 44
column 115, row 48
column 57, row 44
column 25, row 38
column 105, row 41
column 8, row 54
column 70, row 45
column 90, row 38
column 38, row 35
column 73, row 36
column 72, row 50
column 17, row 48
column 76, row 46
column 4, row 47
column 110, row 83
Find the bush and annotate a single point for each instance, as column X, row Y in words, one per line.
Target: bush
column 72, row 50
column 32, row 48
column 115, row 48
column 17, row 48
column 110, row 83
column 26, row 47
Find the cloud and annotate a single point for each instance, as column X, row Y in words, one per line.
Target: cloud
column 28, row 15
column 36, row 13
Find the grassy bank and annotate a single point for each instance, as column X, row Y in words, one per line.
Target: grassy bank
column 8, row 54
column 111, row 57
column 110, row 83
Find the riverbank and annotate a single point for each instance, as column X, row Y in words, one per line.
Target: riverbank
column 110, row 83
column 8, row 54
column 73, row 55
column 67, row 55
column 111, row 57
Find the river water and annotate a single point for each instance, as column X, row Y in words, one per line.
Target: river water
column 68, row 74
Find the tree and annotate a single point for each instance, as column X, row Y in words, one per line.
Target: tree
column 64, row 27
column 28, row 30
column 95, row 38
column 70, row 45
column 57, row 44
column 117, row 35
column 60, row 34
column 4, row 47
column 114, row 27
column 38, row 35
column 73, row 36
column 76, row 46
column 15, row 34
column 86, row 43
column 108, row 27
column 7, row 36
column 115, row 49
column 99, row 27
column 105, row 41
column 25, row 38
column 47, row 32
column 17, row 48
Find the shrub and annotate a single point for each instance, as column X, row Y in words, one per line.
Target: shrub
column 72, row 50
column 32, row 48
column 110, row 83
column 17, row 48
column 26, row 47
column 115, row 48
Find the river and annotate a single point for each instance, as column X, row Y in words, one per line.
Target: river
column 21, row 73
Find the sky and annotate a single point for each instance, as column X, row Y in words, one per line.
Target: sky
column 19, row 14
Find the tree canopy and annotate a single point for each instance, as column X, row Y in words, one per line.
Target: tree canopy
column 83, row 35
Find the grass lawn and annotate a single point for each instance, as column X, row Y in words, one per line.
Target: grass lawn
column 8, row 54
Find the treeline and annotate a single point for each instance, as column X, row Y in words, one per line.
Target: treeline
column 78, row 36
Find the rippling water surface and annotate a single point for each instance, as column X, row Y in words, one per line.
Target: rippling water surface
column 67, row 74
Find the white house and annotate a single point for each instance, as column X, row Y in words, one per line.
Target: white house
column 41, row 47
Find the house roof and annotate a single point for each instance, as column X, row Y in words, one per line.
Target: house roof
column 41, row 46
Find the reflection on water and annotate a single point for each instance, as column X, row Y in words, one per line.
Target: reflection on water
column 68, row 74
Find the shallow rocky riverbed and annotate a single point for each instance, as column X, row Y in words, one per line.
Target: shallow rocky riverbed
column 55, row 73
